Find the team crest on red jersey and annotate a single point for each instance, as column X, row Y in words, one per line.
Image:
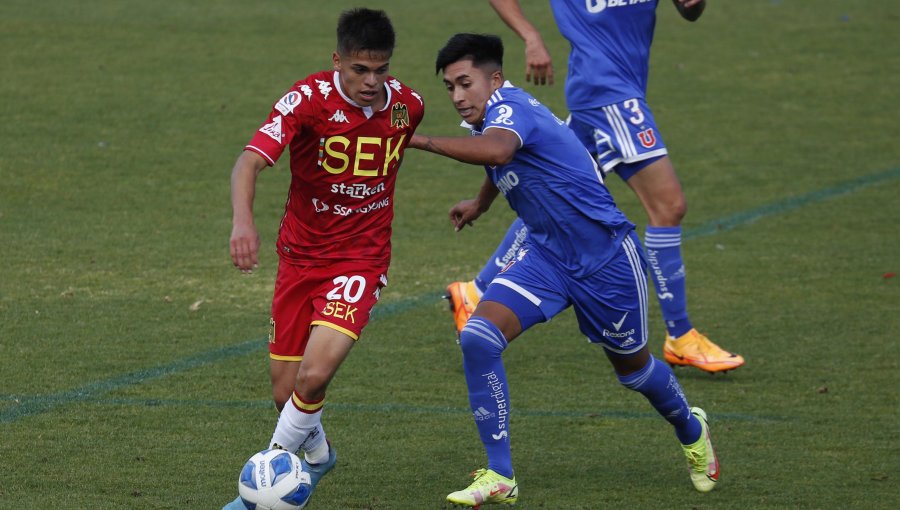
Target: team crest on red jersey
column 648, row 139
column 399, row 115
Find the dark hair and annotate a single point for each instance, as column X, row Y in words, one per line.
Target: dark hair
column 480, row 48
column 364, row 30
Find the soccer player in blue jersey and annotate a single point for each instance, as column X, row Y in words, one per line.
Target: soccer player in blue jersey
column 581, row 251
column 605, row 92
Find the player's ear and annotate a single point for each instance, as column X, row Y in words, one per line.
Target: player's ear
column 497, row 79
column 336, row 61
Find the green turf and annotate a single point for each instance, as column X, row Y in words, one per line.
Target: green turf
column 133, row 370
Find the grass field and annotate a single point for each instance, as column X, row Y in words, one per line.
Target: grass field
column 133, row 371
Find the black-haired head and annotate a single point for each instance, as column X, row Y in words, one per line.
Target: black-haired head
column 364, row 30
column 481, row 49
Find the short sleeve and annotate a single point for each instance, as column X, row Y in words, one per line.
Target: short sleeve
column 510, row 116
column 288, row 117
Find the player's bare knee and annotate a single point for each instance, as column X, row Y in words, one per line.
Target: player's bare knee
column 668, row 212
column 312, row 382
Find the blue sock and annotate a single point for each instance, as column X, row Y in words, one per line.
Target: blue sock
column 657, row 382
column 667, row 272
column 482, row 346
column 506, row 250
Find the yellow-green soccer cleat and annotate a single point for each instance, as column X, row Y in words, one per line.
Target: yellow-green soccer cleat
column 696, row 350
column 702, row 461
column 463, row 298
column 489, row 487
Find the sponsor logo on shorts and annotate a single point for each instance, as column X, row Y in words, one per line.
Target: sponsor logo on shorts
column 618, row 325
column 617, row 334
column 340, row 310
column 513, row 248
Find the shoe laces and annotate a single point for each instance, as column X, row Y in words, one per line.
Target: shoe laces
column 696, row 454
column 479, row 476
column 705, row 345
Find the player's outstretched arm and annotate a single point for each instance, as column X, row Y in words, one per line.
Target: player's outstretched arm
column 467, row 211
column 244, row 236
column 538, row 64
column 494, row 147
column 690, row 9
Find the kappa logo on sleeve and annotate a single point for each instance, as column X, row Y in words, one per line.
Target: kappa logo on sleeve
column 324, row 88
column 273, row 129
column 286, row 104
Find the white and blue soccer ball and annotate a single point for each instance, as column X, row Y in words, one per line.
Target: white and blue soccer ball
column 274, row 480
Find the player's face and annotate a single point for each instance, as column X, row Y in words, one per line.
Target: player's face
column 362, row 76
column 470, row 87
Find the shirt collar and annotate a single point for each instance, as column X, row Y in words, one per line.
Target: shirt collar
column 366, row 109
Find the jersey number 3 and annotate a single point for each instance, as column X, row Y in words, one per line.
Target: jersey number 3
column 635, row 108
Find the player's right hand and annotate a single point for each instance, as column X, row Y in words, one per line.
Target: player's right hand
column 538, row 64
column 245, row 247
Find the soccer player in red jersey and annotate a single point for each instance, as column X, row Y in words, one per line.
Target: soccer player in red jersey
column 346, row 130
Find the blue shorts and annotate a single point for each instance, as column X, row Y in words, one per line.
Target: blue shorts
column 622, row 136
column 611, row 304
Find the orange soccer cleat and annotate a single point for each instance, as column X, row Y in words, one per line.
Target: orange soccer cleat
column 696, row 350
column 463, row 297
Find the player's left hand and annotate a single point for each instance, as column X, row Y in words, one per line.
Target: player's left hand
column 690, row 9
column 464, row 213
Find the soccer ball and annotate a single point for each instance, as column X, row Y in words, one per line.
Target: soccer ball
column 274, row 480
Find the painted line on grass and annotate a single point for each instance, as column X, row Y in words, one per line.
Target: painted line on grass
column 405, row 408
column 31, row 405
column 790, row 204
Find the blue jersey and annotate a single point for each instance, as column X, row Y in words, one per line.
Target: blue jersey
column 610, row 49
column 554, row 185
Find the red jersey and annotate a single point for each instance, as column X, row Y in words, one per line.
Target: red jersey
column 344, row 162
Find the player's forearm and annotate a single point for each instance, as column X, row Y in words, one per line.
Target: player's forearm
column 511, row 13
column 243, row 188
column 476, row 150
column 486, row 195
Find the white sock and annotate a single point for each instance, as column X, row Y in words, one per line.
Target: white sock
column 319, row 453
column 297, row 429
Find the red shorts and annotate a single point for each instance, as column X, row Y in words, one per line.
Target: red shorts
column 338, row 296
